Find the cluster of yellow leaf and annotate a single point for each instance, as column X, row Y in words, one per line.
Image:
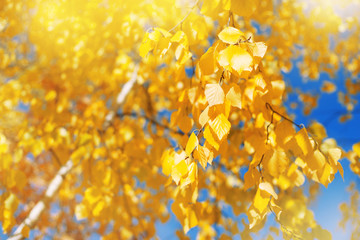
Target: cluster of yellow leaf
column 231, row 58
column 305, row 226
column 64, row 62
column 278, row 160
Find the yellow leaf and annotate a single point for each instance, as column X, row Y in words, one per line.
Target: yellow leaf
column 316, row 160
column 275, row 208
column 190, row 220
column 155, row 35
column 204, row 117
column 235, row 58
column 207, row 62
column 251, row 177
column 78, row 154
column 302, row 140
column 179, row 171
column 214, row 94
column 151, row 40
column 356, row 148
column 295, row 175
column 204, row 156
column 258, row 51
column 163, row 46
column 244, row 8
column 181, row 38
column 261, row 201
column 11, row 203
column 92, row 195
column 186, row 214
column 325, row 176
column 334, row 155
column 317, row 130
column 192, row 143
column 167, row 160
column 192, row 173
column 220, row 125
column 268, row 188
column 146, row 46
column 98, row 208
column 230, row 35
column 278, row 87
column 284, row 132
column 213, row 8
column 182, row 54
column 276, row 163
column 163, row 33
column 234, row 96
column 210, row 138
column 254, row 216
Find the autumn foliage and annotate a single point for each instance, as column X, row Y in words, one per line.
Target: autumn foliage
column 117, row 114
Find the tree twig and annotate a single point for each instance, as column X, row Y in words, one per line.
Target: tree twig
column 183, row 20
column 151, row 121
column 283, row 116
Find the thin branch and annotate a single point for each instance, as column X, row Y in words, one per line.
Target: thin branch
column 283, row 116
column 231, row 19
column 259, row 167
column 222, row 77
column 267, row 128
column 57, row 181
column 183, row 20
column 152, row 121
column 55, row 156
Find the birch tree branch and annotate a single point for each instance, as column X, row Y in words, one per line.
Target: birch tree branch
column 57, row 181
